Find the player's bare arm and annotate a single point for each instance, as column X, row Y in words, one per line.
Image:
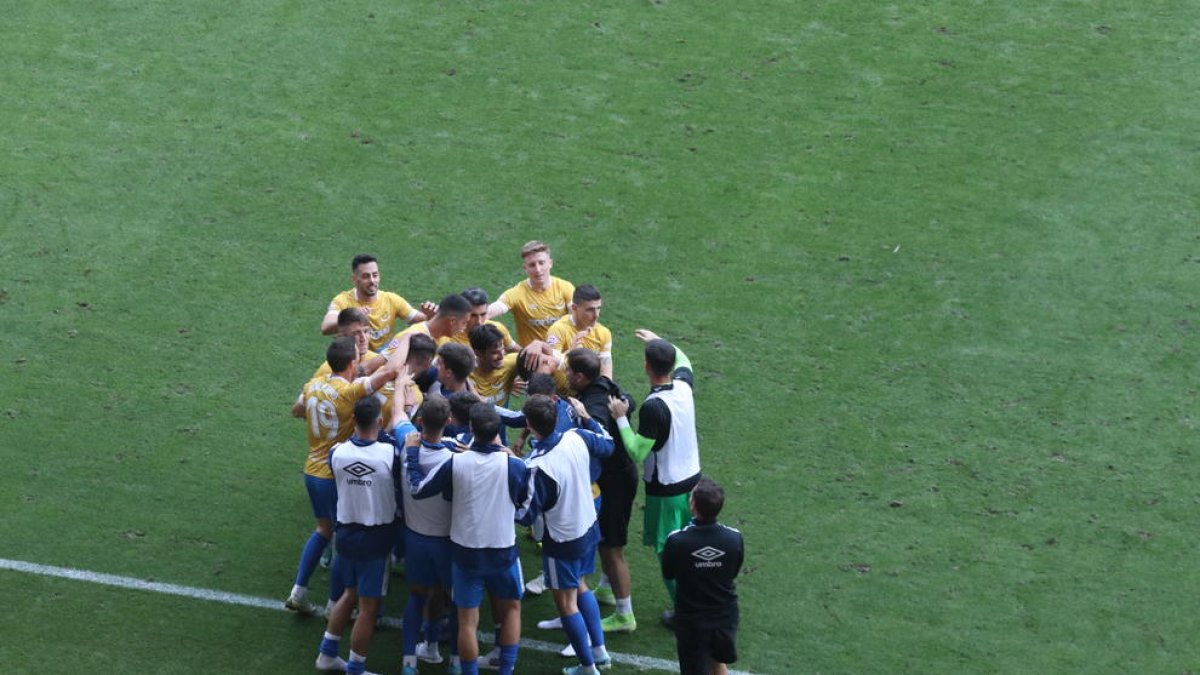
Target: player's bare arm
column 645, row 335
column 329, row 323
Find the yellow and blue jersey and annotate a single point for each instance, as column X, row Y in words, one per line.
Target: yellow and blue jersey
column 535, row 311
column 382, row 314
column 329, row 417
column 495, row 386
column 385, row 393
column 561, row 336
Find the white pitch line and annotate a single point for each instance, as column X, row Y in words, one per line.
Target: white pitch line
column 637, row 660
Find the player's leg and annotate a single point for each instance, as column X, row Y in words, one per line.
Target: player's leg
column 692, row 647
column 615, row 512
column 360, row 636
column 322, row 494
column 369, row 587
column 562, row 579
column 468, row 593
column 724, row 648
column 506, row 588
column 339, row 616
column 418, row 571
column 443, row 580
column 589, row 609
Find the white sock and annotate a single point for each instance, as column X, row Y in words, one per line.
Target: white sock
column 625, row 605
column 331, row 637
column 410, row 661
column 298, row 592
column 455, row 660
column 604, row 581
column 599, row 653
column 355, row 656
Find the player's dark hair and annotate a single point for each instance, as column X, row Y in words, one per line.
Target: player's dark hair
column 421, row 343
column 585, row 362
column 458, row 359
column 460, row 405
column 485, row 422
column 433, row 414
column 366, row 412
column 541, row 414
column 341, row 353
column 540, row 383
column 709, row 498
column 351, row 315
column 361, row 259
column 585, row 293
column 454, row 305
column 475, row 296
column 484, row 337
column 660, row 354
column 523, row 371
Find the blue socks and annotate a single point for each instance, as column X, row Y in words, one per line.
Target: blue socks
column 310, row 557
column 329, row 645
column 412, row 622
column 470, row 667
column 590, row 609
column 508, row 659
column 577, row 634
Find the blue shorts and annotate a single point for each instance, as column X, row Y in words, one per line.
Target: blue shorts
column 506, row 584
column 322, row 493
column 427, row 560
column 367, row 577
column 563, row 574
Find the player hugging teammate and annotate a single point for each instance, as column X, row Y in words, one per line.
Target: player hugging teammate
column 444, row 491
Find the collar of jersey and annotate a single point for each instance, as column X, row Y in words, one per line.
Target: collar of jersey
column 547, row 444
column 487, row 448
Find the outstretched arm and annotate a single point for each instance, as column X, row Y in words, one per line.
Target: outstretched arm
column 681, row 359
column 329, row 321
column 496, row 309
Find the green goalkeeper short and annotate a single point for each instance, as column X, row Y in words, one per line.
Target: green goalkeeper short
column 664, row 515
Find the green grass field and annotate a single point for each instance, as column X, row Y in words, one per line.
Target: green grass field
column 935, row 264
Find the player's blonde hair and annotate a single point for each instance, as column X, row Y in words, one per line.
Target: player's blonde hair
column 532, row 247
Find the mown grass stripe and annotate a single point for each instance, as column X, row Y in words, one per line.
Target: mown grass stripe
column 638, row 660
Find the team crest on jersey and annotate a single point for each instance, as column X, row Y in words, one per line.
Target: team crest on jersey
column 708, row 553
column 358, row 470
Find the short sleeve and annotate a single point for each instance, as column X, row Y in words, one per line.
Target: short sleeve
column 654, row 421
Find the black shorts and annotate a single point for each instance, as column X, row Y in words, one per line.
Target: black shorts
column 700, row 646
column 616, row 506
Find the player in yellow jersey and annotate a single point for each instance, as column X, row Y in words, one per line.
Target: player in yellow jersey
column 327, row 405
column 383, row 308
column 537, row 302
column 478, row 300
column 448, row 318
column 353, row 322
column 495, row 371
column 581, row 328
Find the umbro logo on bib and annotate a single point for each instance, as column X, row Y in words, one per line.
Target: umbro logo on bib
column 358, row 470
column 708, row 553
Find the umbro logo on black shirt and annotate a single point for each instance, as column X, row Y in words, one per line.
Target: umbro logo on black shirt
column 708, row 553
